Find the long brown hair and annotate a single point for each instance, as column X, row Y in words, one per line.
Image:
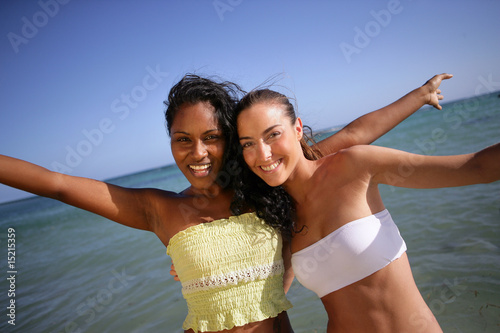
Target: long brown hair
column 274, row 97
column 273, row 204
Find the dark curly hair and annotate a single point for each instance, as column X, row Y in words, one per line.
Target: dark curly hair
column 223, row 96
column 273, row 204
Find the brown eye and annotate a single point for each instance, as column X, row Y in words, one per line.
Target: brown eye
column 274, row 135
column 246, row 145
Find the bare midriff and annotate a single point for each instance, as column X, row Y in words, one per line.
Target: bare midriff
column 387, row 301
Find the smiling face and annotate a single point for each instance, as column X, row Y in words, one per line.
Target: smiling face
column 270, row 141
column 197, row 144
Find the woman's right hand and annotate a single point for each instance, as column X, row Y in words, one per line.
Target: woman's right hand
column 173, row 272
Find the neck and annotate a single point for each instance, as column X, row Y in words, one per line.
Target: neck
column 211, row 192
column 297, row 183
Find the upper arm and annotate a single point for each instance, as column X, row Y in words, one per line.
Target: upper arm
column 402, row 169
column 131, row 207
column 369, row 127
column 344, row 138
column 362, row 131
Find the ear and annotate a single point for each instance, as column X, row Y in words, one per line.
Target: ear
column 299, row 128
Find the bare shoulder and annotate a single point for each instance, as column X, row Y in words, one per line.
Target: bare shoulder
column 161, row 198
column 367, row 153
column 360, row 150
column 351, row 155
column 166, row 210
column 356, row 160
column 161, row 194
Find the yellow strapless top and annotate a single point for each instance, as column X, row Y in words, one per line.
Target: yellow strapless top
column 231, row 272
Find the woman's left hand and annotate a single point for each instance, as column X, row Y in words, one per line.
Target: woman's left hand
column 432, row 89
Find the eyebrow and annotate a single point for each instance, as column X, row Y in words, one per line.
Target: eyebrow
column 206, row 132
column 265, row 132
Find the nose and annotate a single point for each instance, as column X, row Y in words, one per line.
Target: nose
column 199, row 150
column 264, row 151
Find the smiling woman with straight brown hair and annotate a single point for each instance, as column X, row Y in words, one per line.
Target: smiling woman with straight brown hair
column 345, row 246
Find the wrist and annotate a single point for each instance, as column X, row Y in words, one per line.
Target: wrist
column 422, row 96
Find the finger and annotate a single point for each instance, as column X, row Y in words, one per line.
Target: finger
column 446, row 76
column 436, row 79
column 438, row 91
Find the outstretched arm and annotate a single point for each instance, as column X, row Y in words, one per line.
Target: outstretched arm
column 122, row 205
column 398, row 168
column 373, row 125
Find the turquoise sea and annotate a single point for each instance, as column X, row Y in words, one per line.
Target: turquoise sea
column 77, row 272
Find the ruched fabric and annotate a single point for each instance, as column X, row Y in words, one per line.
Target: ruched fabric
column 231, row 272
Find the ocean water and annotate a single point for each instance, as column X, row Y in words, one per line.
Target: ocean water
column 77, row 272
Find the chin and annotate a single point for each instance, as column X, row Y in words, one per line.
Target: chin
column 272, row 182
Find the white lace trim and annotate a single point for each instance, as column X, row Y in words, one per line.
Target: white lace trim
column 233, row 278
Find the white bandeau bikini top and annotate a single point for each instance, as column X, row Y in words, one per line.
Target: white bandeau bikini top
column 349, row 254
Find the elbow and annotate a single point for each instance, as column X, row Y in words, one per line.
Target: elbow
column 489, row 180
column 487, row 164
column 487, row 174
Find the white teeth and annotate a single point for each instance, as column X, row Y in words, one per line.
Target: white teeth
column 271, row 167
column 200, row 167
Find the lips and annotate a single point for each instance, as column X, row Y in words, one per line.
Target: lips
column 200, row 169
column 271, row 167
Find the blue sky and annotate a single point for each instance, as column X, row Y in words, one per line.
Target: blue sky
column 83, row 82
